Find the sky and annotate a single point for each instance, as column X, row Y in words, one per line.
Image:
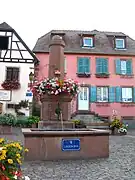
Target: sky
column 34, row 18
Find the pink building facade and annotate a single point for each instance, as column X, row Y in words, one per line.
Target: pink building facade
column 106, row 77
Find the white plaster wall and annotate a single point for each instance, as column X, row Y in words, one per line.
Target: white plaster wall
column 20, row 94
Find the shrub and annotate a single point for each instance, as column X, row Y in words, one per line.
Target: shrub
column 8, row 119
column 27, row 121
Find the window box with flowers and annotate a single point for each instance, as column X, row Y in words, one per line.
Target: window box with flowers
column 10, row 85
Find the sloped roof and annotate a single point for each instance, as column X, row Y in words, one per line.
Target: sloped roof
column 104, row 42
column 5, row 27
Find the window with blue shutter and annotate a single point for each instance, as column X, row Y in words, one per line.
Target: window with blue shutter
column 83, row 65
column 80, row 65
column 93, row 94
column 118, row 66
column 123, row 67
column 134, row 94
column 101, row 66
column 129, row 67
column 118, row 94
column 111, row 94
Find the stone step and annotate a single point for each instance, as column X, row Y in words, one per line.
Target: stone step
column 87, row 118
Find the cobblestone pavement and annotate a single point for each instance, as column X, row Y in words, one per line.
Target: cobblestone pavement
column 119, row 166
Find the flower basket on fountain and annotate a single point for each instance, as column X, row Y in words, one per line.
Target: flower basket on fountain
column 56, row 88
column 11, row 157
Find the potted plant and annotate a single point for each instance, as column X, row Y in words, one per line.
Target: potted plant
column 123, row 130
column 33, row 121
column 11, row 158
column 115, row 125
column 79, row 124
column 6, row 123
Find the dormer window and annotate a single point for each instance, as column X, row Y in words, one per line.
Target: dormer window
column 88, row 42
column 120, row 43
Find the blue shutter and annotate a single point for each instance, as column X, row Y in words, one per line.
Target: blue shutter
column 104, row 65
column 129, row 67
column 99, row 65
column 80, row 67
column 118, row 94
column 134, row 94
column 93, row 93
column 86, row 63
column 118, row 66
column 111, row 94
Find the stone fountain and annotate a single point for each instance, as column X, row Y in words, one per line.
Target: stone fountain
column 56, row 140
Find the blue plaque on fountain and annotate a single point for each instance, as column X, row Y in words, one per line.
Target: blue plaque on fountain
column 70, row 144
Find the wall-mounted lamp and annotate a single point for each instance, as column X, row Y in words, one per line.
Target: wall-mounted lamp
column 31, row 77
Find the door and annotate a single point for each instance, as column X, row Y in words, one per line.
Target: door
column 83, row 99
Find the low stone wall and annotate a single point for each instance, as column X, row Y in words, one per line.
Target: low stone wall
column 4, row 129
column 48, row 145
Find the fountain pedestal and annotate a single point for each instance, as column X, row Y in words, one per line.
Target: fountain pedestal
column 48, row 107
column 50, row 102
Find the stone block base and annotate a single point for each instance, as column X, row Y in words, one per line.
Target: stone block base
column 47, row 145
column 55, row 124
column 5, row 129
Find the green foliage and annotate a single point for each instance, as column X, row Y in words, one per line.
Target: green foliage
column 27, row 121
column 79, row 124
column 8, row 119
column 33, row 119
column 116, row 123
column 76, row 121
column 21, row 121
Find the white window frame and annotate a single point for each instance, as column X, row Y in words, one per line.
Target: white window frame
column 120, row 39
column 126, row 98
column 102, row 94
column 87, row 45
column 123, row 70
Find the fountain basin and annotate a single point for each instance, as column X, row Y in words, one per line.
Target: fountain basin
column 68, row 144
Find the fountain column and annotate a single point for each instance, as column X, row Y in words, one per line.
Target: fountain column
column 56, row 69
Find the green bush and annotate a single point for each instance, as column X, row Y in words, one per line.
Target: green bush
column 22, row 121
column 8, row 119
column 27, row 121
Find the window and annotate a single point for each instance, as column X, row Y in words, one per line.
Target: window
column 12, row 74
column 83, row 65
column 101, row 65
column 102, row 94
column 127, row 95
column 120, row 43
column 4, row 40
column 87, row 42
column 124, row 67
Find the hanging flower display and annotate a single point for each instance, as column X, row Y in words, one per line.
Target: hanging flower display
column 10, row 85
column 56, row 87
